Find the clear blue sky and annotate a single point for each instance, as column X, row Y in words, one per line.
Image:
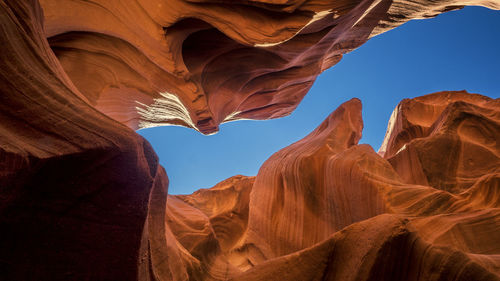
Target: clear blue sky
column 454, row 51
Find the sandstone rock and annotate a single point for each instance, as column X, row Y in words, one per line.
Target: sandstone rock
column 201, row 63
column 82, row 196
column 326, row 208
column 74, row 184
column 446, row 140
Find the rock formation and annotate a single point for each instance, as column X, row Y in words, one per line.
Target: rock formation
column 199, row 63
column 82, row 196
column 426, row 207
column 74, row 183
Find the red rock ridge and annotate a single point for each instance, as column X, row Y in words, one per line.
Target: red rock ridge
column 200, row 63
column 326, row 208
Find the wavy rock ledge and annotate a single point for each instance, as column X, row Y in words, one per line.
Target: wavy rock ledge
column 426, row 207
column 200, row 63
column 82, row 196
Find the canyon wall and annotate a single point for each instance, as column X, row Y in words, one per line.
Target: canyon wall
column 75, row 185
column 426, row 207
column 199, row 63
column 82, row 196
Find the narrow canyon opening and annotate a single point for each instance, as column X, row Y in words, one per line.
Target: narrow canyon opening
column 417, row 58
column 83, row 196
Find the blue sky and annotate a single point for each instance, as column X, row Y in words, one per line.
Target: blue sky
column 459, row 50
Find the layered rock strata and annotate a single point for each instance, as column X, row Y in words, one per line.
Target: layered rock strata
column 199, row 63
column 82, row 196
column 74, row 183
column 426, row 207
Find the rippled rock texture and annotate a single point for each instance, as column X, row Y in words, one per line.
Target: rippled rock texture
column 199, row 63
column 426, row 207
column 82, row 196
column 74, row 183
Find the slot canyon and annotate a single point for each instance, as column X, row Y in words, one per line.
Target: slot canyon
column 84, row 197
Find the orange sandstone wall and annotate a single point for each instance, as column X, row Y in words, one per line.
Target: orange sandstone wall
column 199, row 63
column 82, row 196
column 326, row 208
column 74, row 183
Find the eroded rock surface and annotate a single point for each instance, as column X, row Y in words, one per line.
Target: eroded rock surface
column 74, row 183
column 327, row 208
column 199, row 63
column 82, row 196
